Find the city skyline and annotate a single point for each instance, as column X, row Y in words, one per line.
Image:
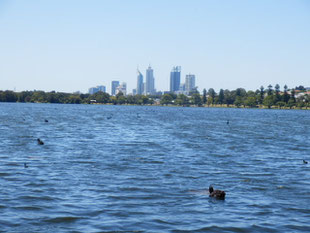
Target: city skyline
column 148, row 87
column 74, row 45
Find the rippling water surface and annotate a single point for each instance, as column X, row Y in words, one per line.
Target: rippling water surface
column 147, row 169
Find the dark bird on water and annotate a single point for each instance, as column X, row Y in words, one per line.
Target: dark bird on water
column 305, row 162
column 25, row 165
column 40, row 142
column 219, row 194
column 227, row 122
column 45, row 120
column 109, row 117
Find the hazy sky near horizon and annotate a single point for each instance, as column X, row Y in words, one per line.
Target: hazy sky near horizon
column 73, row 45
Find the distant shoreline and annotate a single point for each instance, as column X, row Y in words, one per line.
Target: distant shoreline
column 239, row 98
column 171, row 105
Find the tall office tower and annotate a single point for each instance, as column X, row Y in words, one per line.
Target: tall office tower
column 139, row 83
column 149, row 81
column 92, row 90
column 189, row 83
column 114, row 85
column 96, row 89
column 122, row 88
column 175, row 77
column 101, row 88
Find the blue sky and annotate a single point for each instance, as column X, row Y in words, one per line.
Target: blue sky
column 73, row 45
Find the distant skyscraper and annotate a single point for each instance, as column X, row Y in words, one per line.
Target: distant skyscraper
column 149, row 81
column 114, row 85
column 101, row 88
column 189, row 82
column 122, row 88
column 94, row 90
column 140, row 85
column 175, row 78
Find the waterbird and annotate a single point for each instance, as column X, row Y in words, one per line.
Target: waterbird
column 45, row 120
column 219, row 194
column 40, row 142
column 305, row 162
column 227, row 122
column 25, row 165
column 109, row 117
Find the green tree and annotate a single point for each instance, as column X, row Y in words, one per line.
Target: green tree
column 121, row 99
column 166, row 99
column 204, row 96
column 251, row 102
column 291, row 103
column 221, row 97
column 144, row 99
column 102, row 97
column 238, row 101
column 228, row 97
column 269, row 91
column 209, row 101
column 269, row 101
column 113, row 100
column 301, row 105
column 240, row 92
column 293, row 95
column 182, row 100
column 277, row 92
column 262, row 95
column 196, row 99
column 74, row 99
column 286, row 96
column 281, row 104
column 212, row 94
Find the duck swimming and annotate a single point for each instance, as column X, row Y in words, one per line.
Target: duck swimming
column 40, row 142
column 219, row 194
column 305, row 162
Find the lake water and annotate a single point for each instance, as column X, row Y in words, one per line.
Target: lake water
column 147, row 169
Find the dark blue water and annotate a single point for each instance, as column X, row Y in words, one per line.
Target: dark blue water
column 147, row 169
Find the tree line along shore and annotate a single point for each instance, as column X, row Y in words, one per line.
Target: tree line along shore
column 270, row 97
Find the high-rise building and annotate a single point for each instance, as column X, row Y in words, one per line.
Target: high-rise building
column 150, row 89
column 94, row 90
column 140, row 85
column 189, row 83
column 101, row 88
column 175, row 78
column 122, row 88
column 114, row 85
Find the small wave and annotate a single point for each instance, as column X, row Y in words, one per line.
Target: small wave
column 64, row 219
column 4, row 174
column 153, row 161
column 43, row 198
column 30, row 208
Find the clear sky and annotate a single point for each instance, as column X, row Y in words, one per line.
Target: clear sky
column 71, row 45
